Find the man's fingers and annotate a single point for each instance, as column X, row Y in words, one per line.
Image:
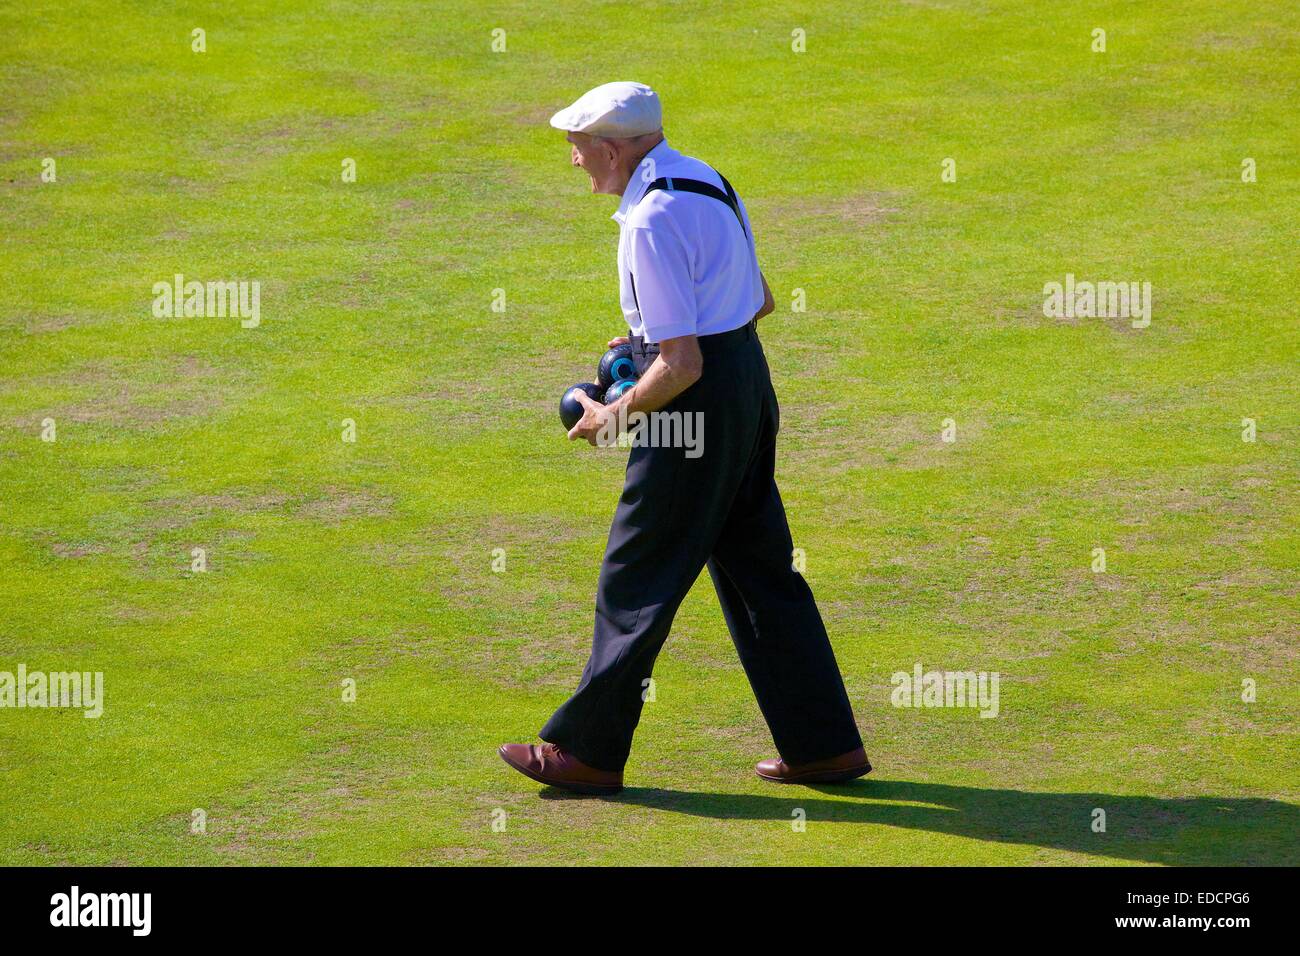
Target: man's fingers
column 617, row 340
column 576, row 432
column 588, row 419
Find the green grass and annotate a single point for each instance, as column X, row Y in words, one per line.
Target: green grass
column 372, row 561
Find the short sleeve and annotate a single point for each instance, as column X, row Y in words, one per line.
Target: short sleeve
column 665, row 289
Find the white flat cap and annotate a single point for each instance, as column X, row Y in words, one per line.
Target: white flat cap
column 616, row 110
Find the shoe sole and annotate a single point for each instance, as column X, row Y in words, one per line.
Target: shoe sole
column 821, row 776
column 594, row 789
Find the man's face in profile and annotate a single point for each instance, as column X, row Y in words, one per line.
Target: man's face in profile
column 597, row 158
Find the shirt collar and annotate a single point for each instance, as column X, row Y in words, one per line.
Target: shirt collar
column 636, row 186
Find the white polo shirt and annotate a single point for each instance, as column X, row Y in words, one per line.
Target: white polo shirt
column 695, row 270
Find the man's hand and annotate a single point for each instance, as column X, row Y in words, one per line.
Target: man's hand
column 593, row 419
column 618, row 340
column 676, row 368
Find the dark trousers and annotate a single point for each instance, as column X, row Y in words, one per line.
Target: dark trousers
column 679, row 513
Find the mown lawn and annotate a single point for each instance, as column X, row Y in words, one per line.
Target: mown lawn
column 372, row 561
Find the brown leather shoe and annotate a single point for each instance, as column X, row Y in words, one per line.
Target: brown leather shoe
column 549, row 764
column 839, row 769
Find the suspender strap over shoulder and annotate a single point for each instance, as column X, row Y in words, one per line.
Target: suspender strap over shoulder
column 672, row 184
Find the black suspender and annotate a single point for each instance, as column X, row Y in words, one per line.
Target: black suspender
column 672, row 184
column 702, row 189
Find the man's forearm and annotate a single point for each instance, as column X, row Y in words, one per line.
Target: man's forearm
column 663, row 381
column 769, row 303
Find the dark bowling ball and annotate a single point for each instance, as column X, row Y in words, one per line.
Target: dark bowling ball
column 617, row 390
column 615, row 366
column 571, row 409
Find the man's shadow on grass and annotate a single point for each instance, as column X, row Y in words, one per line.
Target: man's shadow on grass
column 1193, row 831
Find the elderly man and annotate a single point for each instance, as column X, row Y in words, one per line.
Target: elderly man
column 692, row 293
